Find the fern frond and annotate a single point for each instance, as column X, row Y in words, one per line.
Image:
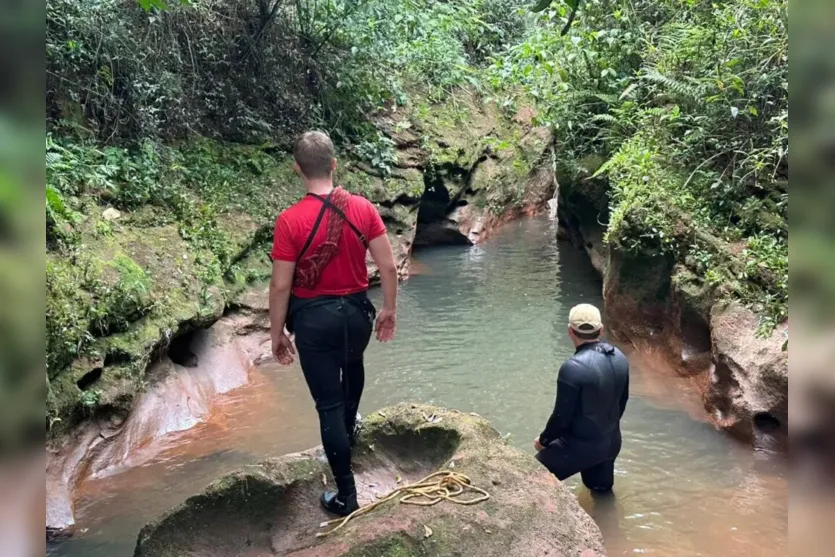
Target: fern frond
column 587, row 93
column 654, row 112
column 628, row 91
column 607, row 98
column 679, row 87
column 606, row 166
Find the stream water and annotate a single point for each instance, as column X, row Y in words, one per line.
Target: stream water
column 482, row 329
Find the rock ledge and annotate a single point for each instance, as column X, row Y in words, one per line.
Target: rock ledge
column 271, row 508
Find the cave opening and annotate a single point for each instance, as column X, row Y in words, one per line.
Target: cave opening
column 766, row 422
column 180, row 350
column 434, row 226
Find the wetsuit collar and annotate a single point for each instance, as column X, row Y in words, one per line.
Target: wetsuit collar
column 586, row 345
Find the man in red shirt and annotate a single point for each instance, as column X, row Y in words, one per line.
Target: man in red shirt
column 318, row 290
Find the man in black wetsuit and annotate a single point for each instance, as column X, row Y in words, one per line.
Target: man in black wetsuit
column 583, row 433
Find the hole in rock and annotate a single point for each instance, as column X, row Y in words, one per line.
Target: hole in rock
column 180, row 351
column 766, row 422
column 433, row 225
column 695, row 331
column 115, row 357
column 89, row 378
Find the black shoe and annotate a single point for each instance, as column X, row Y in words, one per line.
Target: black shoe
column 341, row 506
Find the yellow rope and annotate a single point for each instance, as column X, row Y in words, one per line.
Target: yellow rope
column 431, row 490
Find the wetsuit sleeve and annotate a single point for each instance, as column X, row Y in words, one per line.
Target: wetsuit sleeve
column 568, row 391
column 284, row 248
column 624, row 397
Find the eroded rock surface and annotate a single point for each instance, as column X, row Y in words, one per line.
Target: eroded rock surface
column 272, row 508
column 749, row 384
column 177, row 398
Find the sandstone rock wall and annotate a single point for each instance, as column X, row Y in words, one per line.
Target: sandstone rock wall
column 657, row 303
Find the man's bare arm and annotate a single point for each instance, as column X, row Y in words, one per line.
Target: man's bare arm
column 383, row 257
column 380, row 249
column 281, row 284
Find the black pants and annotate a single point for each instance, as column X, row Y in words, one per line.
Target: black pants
column 331, row 336
column 595, row 461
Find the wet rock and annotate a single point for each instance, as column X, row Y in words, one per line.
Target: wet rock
column 177, row 398
column 271, row 508
column 443, row 232
column 638, row 303
column 749, row 386
column 64, row 466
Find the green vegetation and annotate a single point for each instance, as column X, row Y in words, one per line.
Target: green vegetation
column 169, row 122
column 149, row 235
column 258, row 70
column 168, row 126
column 688, row 100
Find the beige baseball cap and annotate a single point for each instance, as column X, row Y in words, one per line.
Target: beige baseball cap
column 585, row 318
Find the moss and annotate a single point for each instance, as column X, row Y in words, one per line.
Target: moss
column 361, row 180
column 66, row 304
column 394, row 546
column 297, row 469
column 696, row 293
column 126, row 285
column 253, row 268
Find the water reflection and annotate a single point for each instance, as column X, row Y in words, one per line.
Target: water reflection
column 483, row 329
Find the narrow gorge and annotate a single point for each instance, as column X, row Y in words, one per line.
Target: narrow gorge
column 457, row 188
column 525, row 157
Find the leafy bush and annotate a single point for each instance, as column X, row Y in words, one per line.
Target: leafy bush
column 689, row 101
column 256, row 70
column 380, row 154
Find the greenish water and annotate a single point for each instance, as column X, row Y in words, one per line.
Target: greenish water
column 482, row 329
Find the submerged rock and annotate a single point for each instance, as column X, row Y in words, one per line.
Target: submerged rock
column 272, row 508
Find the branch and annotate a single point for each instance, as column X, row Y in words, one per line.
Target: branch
column 264, row 24
column 570, row 20
column 348, row 11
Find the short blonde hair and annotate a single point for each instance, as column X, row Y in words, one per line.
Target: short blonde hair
column 314, row 154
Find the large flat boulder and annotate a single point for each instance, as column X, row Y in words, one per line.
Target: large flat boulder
column 271, row 508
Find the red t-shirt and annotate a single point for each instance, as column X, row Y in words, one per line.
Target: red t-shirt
column 346, row 273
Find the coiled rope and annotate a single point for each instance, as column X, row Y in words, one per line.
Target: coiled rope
column 444, row 485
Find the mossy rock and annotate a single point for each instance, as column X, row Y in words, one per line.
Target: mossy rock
column 272, row 508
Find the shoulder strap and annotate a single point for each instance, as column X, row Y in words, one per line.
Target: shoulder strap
column 326, row 204
column 319, row 217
